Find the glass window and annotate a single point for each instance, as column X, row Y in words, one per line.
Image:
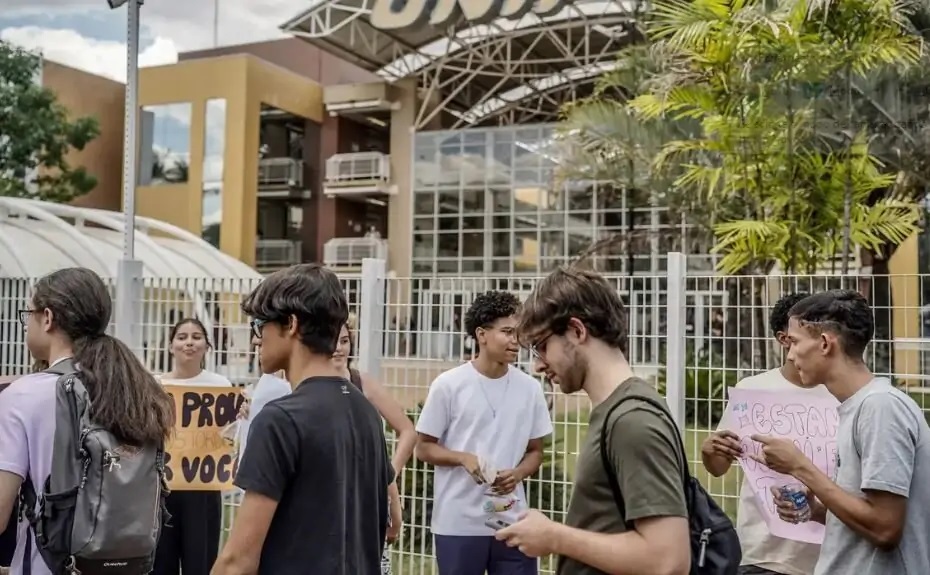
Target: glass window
column 165, row 139
column 424, row 203
column 214, row 148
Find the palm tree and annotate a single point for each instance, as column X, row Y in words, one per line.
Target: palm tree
column 750, row 89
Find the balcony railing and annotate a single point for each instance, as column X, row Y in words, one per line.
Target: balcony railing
column 281, row 173
column 368, row 171
column 349, row 252
column 274, row 254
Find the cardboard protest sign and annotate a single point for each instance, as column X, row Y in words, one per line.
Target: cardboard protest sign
column 811, row 421
column 197, row 457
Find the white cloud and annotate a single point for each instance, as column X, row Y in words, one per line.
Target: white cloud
column 104, row 58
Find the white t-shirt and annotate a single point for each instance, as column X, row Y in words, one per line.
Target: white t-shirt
column 760, row 547
column 268, row 388
column 204, row 378
column 460, row 412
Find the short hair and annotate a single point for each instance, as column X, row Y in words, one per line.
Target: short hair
column 311, row 293
column 571, row 292
column 778, row 321
column 489, row 307
column 845, row 313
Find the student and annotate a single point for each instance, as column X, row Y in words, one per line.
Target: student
column 576, row 328
column 190, row 542
column 395, row 416
column 68, row 319
column 874, row 507
column 764, row 553
column 483, row 427
column 315, row 470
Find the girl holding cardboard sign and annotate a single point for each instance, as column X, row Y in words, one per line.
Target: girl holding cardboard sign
column 191, row 540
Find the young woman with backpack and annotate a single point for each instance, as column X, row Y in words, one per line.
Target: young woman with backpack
column 66, row 323
column 190, row 542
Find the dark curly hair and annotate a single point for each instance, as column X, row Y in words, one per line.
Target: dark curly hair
column 778, row 321
column 487, row 309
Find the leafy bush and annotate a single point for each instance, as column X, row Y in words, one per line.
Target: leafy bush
column 706, row 380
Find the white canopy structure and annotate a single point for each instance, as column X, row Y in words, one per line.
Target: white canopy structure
column 37, row 238
column 183, row 274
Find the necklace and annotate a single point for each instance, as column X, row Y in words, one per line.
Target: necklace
column 488, row 399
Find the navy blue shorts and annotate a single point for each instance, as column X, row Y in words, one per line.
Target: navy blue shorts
column 473, row 555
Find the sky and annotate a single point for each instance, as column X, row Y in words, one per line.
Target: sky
column 90, row 36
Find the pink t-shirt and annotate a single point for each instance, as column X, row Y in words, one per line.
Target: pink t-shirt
column 27, row 434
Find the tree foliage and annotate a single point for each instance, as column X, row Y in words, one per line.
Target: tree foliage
column 36, row 134
column 731, row 113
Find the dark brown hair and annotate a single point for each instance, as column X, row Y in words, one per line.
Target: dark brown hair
column 125, row 397
column 310, row 293
column 571, row 292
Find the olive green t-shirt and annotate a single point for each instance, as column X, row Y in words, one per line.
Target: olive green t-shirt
column 643, row 448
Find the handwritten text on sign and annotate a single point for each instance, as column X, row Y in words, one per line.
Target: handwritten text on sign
column 810, row 420
column 197, row 458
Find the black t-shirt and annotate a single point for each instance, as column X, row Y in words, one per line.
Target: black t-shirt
column 320, row 453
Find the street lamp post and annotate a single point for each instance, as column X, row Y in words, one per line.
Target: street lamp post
column 129, row 274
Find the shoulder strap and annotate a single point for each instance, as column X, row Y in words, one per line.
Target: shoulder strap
column 609, row 468
column 355, row 377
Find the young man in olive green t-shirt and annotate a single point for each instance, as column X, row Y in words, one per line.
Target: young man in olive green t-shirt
column 575, row 325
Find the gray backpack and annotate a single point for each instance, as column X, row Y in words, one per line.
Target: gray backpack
column 101, row 510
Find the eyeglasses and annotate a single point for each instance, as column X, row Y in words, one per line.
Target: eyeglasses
column 24, row 315
column 538, row 349
column 257, row 325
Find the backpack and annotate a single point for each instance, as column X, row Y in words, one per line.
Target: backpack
column 715, row 546
column 101, row 509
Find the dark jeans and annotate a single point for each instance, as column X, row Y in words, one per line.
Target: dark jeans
column 473, row 555
column 753, row 570
column 8, row 540
column 191, row 540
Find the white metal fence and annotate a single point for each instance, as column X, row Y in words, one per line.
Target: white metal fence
column 693, row 335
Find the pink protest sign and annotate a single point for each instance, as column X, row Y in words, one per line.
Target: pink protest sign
column 809, row 420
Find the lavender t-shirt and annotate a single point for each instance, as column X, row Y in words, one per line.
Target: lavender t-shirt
column 27, row 433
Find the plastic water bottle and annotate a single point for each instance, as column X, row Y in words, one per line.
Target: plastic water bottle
column 798, row 498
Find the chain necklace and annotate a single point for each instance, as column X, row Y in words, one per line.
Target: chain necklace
column 485, row 393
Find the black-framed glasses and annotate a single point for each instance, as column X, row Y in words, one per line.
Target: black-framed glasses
column 257, row 325
column 24, row 315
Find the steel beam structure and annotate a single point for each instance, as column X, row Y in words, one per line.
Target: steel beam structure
column 504, row 72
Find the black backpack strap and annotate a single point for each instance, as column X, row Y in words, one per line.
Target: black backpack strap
column 609, row 468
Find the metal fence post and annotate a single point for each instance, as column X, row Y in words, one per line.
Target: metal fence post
column 371, row 317
column 129, row 291
column 676, row 330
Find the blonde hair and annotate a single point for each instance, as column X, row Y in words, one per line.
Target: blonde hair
column 352, row 322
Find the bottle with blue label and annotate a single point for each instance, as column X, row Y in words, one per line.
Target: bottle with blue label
column 796, row 495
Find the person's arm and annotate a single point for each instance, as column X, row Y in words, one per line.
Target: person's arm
column 887, row 432
column 643, row 450
column 394, row 414
column 268, row 467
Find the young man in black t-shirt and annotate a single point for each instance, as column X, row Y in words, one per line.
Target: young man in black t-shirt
column 315, row 470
